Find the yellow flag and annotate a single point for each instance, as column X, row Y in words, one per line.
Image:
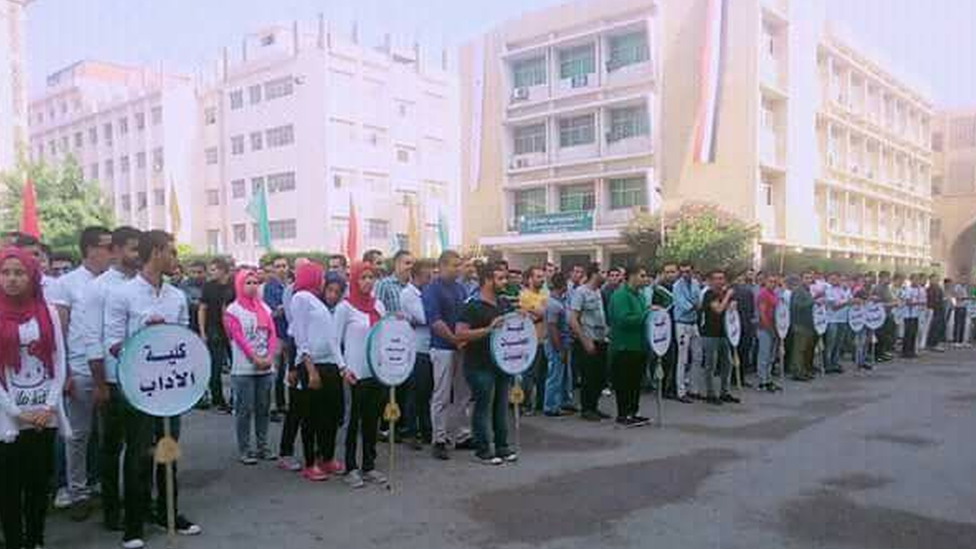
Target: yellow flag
column 413, row 232
column 174, row 211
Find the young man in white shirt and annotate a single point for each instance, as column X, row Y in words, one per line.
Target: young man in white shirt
column 69, row 295
column 416, row 412
column 144, row 301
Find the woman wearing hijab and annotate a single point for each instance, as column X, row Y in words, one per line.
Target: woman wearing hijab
column 32, row 376
column 318, row 364
column 251, row 330
column 356, row 317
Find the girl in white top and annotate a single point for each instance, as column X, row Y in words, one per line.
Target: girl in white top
column 248, row 324
column 32, row 376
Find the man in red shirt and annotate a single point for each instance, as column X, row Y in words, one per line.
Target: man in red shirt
column 768, row 340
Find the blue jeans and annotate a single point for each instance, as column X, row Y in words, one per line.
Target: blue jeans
column 558, row 382
column 252, row 402
column 489, row 389
column 836, row 333
column 767, row 353
column 718, row 362
column 861, row 340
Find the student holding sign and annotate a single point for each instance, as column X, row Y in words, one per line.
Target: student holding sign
column 32, row 376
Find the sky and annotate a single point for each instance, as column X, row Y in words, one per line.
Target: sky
column 932, row 41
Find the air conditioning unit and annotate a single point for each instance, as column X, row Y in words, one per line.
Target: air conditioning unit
column 520, row 94
column 579, row 81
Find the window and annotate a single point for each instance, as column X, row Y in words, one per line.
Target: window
column 211, row 155
column 140, row 121
column 267, row 40
column 627, row 192
column 107, row 134
column 280, row 136
column 529, row 72
column 142, row 200
column 530, row 202
column 64, row 144
column 337, row 181
column 93, row 135
column 403, row 155
column 236, row 99
column 577, row 198
column 963, row 132
column 51, row 147
column 213, row 197
column 279, row 87
column 281, row 182
column 402, row 109
column 159, row 197
column 575, row 131
column 628, row 122
column 79, row 139
column 124, row 164
column 628, row 49
column 141, row 160
column 257, row 185
column 213, row 241
column 157, row 159
column 126, row 203
column 578, row 61
column 284, row 229
column 156, row 114
column 123, row 126
column 240, row 233
column 109, row 168
column 254, row 94
column 237, row 189
column 93, row 171
column 377, row 229
column 237, row 145
column 530, row 139
column 210, row 116
column 257, row 141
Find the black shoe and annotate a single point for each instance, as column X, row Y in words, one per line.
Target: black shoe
column 572, row 409
column 275, row 417
column 685, row 400
column 640, row 420
column 467, row 444
column 714, row 401
column 867, row 367
column 590, row 416
column 440, row 451
column 558, row 413
column 773, row 388
column 730, row 399
column 112, row 524
column 383, row 436
column 487, row 458
column 623, row 421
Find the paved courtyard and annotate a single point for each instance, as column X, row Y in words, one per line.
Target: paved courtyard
column 880, row 460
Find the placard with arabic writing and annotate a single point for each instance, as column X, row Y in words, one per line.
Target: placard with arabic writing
column 164, row 370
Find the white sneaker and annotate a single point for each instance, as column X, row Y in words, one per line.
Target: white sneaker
column 134, row 543
column 375, row 477
column 354, row 479
column 63, row 499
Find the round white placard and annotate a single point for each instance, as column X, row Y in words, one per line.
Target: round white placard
column 164, row 370
column 782, row 317
column 514, row 343
column 820, row 318
column 733, row 329
column 658, row 331
column 874, row 316
column 856, row 318
column 391, row 349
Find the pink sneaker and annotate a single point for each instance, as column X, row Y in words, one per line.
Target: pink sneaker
column 314, row 474
column 335, row 467
column 288, row 463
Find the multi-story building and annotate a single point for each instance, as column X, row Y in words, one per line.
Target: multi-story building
column 954, row 192
column 560, row 118
column 578, row 114
column 132, row 130
column 319, row 123
column 13, row 81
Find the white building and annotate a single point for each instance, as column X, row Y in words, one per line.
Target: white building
column 13, row 81
column 130, row 129
column 318, row 121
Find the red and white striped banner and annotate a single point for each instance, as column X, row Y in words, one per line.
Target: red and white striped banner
column 710, row 75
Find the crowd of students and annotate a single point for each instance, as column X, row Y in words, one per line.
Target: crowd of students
column 293, row 337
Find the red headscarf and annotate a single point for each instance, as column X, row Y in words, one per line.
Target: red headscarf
column 309, row 277
column 252, row 303
column 363, row 302
column 15, row 311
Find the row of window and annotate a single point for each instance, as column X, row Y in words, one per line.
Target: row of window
column 142, row 200
column 125, row 165
column 624, row 192
column 625, row 122
column 107, row 132
column 274, row 183
column 274, row 137
column 624, row 50
column 267, row 91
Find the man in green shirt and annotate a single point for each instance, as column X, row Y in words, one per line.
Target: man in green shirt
column 801, row 328
column 628, row 309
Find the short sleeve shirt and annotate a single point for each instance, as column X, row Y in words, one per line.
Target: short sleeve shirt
column 589, row 304
column 216, row 297
column 556, row 313
column 713, row 324
column 477, row 314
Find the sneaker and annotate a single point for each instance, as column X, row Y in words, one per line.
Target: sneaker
column 248, row 459
column 133, row 543
column 314, row 474
column 730, row 399
column 334, row 467
column 355, row 479
column 571, row 408
column 590, row 416
column 607, row 393
column 641, row 420
column 487, row 458
column 185, row 527
column 557, row 413
column 510, row 456
column 685, row 399
column 467, row 444
column 289, row 463
column 63, row 499
column 375, row 477
column 623, row 421
column 440, row 451
column 267, row 455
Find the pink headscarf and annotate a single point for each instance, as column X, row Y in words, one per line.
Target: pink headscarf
column 16, row 311
column 252, row 303
column 309, row 278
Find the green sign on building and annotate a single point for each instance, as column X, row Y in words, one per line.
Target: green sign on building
column 562, row 222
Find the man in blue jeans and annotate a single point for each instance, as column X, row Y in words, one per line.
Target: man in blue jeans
column 838, row 299
column 489, row 385
column 557, row 342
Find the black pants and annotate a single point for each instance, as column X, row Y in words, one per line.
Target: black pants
column 284, row 359
column 423, row 375
column 540, row 371
column 364, row 417
column 26, row 465
column 959, row 328
column 592, row 368
column 886, row 336
column 320, row 410
column 219, row 357
column 293, row 420
column 125, row 427
column 628, row 369
column 908, row 339
column 406, row 399
column 746, row 346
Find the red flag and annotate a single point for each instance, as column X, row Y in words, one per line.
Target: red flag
column 28, row 213
column 352, row 236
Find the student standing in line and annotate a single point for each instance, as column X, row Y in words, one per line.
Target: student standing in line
column 557, row 338
column 717, row 299
column 588, row 322
column 218, row 293
column 32, row 377
column 628, row 350
column 412, row 306
column 248, row 324
column 912, row 298
column 532, row 300
column 838, row 304
column 766, row 333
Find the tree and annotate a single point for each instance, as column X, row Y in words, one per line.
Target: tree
column 66, row 202
column 699, row 233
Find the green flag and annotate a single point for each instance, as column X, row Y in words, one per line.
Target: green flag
column 258, row 210
column 442, row 231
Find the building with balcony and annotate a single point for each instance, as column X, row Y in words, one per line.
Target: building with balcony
column 953, row 228
column 13, row 81
column 560, row 123
column 319, row 122
column 131, row 129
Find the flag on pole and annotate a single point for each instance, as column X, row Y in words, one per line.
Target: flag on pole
column 175, row 221
column 443, row 234
column 342, row 244
column 352, row 236
column 258, row 210
column 413, row 232
column 28, row 213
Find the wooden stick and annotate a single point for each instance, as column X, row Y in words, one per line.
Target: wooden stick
column 393, row 422
column 170, row 489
